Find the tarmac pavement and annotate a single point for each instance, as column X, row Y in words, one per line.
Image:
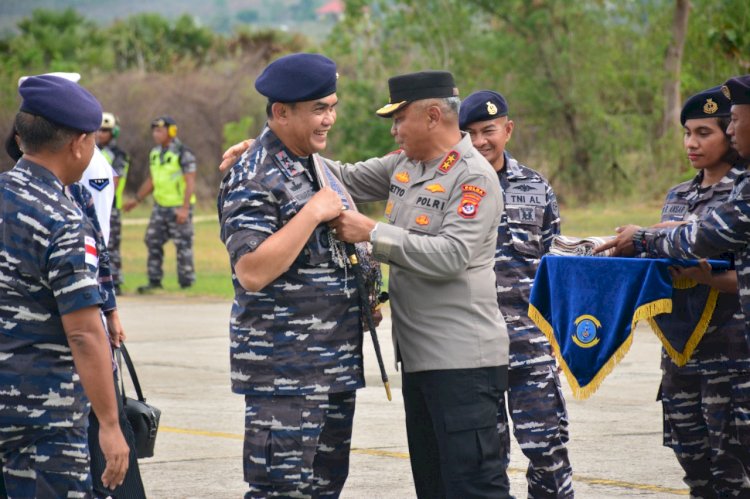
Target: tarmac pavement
column 180, row 347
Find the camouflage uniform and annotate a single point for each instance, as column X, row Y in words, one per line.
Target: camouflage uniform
column 700, row 399
column 296, row 345
column 120, row 162
column 44, row 273
column 535, row 401
column 163, row 226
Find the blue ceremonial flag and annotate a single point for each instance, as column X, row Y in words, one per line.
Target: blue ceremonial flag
column 588, row 307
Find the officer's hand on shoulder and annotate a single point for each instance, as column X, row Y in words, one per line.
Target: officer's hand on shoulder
column 232, row 154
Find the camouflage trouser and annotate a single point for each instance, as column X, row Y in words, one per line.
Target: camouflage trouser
column 540, row 425
column 297, row 446
column 162, row 227
column 707, row 424
column 45, row 462
column 115, row 237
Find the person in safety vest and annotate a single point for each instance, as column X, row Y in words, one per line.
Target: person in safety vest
column 171, row 179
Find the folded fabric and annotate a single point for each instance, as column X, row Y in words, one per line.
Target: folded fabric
column 588, row 309
column 576, row 246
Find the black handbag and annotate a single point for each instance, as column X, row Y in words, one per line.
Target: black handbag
column 143, row 417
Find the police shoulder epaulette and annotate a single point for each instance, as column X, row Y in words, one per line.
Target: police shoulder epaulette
column 449, row 161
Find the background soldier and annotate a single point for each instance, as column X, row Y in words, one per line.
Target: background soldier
column 296, row 333
column 171, row 178
column 106, row 140
column 56, row 347
column 530, row 220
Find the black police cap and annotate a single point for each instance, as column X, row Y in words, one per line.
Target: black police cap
column 417, row 86
column 483, row 105
column 297, row 78
column 163, row 121
column 737, row 89
column 710, row 103
column 61, row 101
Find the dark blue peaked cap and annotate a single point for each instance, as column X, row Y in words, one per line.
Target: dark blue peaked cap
column 62, row 102
column 737, row 89
column 297, row 78
column 483, row 105
column 711, row 103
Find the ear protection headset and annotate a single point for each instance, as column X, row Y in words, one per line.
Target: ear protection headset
column 168, row 122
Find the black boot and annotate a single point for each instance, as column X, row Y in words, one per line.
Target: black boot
column 148, row 288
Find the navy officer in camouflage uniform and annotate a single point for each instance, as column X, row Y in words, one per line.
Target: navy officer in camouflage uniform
column 530, row 220
column 725, row 229
column 172, row 169
column 53, row 345
column 443, row 210
column 699, row 398
column 296, row 334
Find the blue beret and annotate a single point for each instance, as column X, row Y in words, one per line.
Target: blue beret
column 711, row 103
column 417, row 86
column 297, row 78
column 483, row 105
column 737, row 89
column 62, row 102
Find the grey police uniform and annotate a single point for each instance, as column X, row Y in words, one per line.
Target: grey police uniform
column 48, row 269
column 700, row 399
column 163, row 225
column 447, row 329
column 296, row 345
column 535, row 400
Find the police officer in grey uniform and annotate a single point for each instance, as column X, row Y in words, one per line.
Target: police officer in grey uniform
column 296, row 333
column 443, row 210
column 52, row 342
column 530, row 220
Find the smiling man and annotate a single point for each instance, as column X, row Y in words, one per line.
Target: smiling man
column 296, row 335
column 530, row 221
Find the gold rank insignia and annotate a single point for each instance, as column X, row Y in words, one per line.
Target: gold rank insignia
column 725, row 91
column 710, row 107
column 450, row 159
column 402, row 176
column 491, row 108
column 388, row 208
column 422, row 220
column 435, row 188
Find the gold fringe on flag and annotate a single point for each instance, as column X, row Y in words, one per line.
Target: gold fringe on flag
column 681, row 358
column 646, row 311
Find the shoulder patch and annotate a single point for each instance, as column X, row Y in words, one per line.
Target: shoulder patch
column 473, row 188
column 99, row 183
column 449, row 161
column 397, row 151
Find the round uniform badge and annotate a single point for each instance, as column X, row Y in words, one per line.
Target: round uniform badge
column 587, row 327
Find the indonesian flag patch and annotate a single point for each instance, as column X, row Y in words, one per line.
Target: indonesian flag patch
column 92, row 257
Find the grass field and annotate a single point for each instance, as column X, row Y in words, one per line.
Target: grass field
column 212, row 262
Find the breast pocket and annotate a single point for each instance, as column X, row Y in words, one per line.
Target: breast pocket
column 421, row 220
column 525, row 225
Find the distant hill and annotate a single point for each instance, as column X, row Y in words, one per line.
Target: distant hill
column 220, row 15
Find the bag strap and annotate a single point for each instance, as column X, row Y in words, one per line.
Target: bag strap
column 122, row 353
